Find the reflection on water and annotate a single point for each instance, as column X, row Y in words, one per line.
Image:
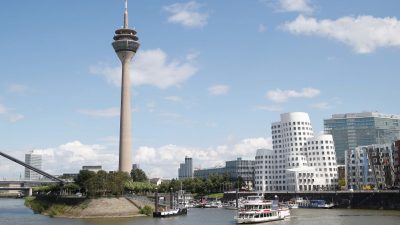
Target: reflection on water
column 13, row 212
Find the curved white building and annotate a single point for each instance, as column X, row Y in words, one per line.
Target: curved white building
column 298, row 161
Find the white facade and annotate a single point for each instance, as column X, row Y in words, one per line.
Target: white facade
column 298, row 161
column 34, row 160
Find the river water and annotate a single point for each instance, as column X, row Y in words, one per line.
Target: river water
column 13, row 212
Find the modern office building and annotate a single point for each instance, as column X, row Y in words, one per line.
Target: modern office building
column 233, row 169
column 135, row 166
column 92, row 168
column 370, row 167
column 360, row 129
column 186, row 169
column 34, row 160
column 125, row 45
column 298, row 161
column 241, row 168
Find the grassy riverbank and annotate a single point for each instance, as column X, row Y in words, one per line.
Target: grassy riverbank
column 85, row 208
column 46, row 207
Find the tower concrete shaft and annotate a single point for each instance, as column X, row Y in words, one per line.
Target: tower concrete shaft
column 125, row 45
column 125, row 132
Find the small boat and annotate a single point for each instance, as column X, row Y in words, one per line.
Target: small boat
column 232, row 205
column 257, row 210
column 213, row 204
column 290, row 205
column 321, row 204
column 315, row 204
column 171, row 212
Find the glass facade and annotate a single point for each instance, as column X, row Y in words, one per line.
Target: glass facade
column 234, row 169
column 186, row 169
column 34, row 160
column 359, row 129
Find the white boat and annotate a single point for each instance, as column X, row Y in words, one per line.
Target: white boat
column 290, row 205
column 232, row 204
column 320, row 204
column 257, row 210
column 316, row 204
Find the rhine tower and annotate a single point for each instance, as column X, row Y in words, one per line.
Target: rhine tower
column 125, row 45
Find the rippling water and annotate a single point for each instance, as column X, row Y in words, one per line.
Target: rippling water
column 13, row 212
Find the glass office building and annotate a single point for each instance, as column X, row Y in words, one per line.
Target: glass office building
column 233, row 169
column 351, row 130
column 186, row 169
column 34, row 160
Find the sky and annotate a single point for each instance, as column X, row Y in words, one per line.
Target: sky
column 207, row 81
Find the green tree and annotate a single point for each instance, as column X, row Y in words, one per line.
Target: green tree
column 138, row 175
column 71, row 188
column 139, row 187
column 342, row 182
column 117, row 181
column 240, row 182
column 83, row 178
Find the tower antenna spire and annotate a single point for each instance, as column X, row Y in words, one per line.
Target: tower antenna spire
column 126, row 14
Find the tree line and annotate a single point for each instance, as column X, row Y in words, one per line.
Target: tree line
column 104, row 183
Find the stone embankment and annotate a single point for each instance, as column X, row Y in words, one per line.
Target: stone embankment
column 85, row 208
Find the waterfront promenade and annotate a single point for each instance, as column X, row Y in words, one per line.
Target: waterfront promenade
column 382, row 199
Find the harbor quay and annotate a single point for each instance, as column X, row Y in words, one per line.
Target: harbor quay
column 385, row 199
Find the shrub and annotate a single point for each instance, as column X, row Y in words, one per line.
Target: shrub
column 147, row 210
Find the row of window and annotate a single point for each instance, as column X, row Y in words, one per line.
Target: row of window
column 290, row 124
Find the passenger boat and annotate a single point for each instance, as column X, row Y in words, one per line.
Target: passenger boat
column 257, row 210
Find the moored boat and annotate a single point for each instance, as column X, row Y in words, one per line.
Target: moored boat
column 320, row 204
column 315, row 204
column 171, row 212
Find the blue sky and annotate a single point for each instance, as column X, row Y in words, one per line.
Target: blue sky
column 208, row 79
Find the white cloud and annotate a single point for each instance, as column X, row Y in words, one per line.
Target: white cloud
column 109, row 112
column 262, row 28
column 9, row 114
column 156, row 162
column 66, row 158
column 3, row 109
column 279, row 95
column 17, row 88
column 269, row 108
column 322, row 106
column 150, row 67
column 219, row 89
column 363, row 33
column 302, row 6
column 187, row 14
column 15, row 117
column 173, row 98
column 164, row 161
